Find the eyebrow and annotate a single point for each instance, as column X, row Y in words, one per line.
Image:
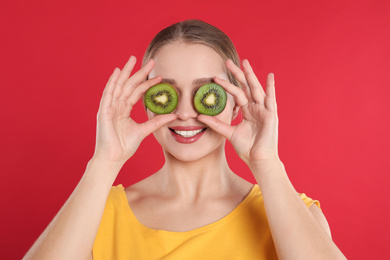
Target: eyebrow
column 195, row 82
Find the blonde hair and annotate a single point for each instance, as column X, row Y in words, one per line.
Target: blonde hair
column 195, row 31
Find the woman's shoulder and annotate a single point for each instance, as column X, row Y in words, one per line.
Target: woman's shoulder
column 120, row 195
column 142, row 189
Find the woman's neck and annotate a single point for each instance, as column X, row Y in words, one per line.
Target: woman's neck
column 194, row 180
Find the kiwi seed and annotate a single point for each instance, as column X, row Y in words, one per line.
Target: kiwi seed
column 161, row 98
column 210, row 99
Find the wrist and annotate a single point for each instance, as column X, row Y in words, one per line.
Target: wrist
column 264, row 162
column 272, row 167
column 103, row 161
column 100, row 169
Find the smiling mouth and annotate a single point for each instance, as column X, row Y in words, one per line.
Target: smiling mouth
column 187, row 134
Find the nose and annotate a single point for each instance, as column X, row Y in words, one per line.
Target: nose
column 185, row 108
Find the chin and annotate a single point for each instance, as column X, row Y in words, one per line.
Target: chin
column 186, row 157
column 192, row 154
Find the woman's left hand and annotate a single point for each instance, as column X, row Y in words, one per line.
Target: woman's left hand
column 255, row 139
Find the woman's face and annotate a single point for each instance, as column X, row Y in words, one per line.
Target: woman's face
column 187, row 67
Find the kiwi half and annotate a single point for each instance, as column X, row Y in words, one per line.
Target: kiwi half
column 210, row 99
column 161, row 98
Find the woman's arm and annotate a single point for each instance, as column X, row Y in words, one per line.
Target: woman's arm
column 72, row 232
column 297, row 233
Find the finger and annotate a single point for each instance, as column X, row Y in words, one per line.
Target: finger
column 218, row 126
column 141, row 89
column 125, row 74
column 256, row 89
column 240, row 76
column 238, row 94
column 106, row 99
column 156, row 122
column 270, row 100
column 136, row 79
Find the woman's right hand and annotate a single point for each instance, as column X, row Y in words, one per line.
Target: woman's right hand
column 118, row 136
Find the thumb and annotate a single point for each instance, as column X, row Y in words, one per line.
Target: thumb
column 153, row 124
column 218, row 126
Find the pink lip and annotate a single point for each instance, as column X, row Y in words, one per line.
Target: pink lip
column 187, row 140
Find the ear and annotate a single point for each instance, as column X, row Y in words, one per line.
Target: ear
column 236, row 109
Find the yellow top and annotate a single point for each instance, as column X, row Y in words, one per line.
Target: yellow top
column 242, row 234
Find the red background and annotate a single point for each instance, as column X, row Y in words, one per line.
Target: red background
column 331, row 65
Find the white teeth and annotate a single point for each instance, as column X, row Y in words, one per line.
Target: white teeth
column 188, row 133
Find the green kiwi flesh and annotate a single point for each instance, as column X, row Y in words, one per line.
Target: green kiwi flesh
column 210, row 99
column 161, row 98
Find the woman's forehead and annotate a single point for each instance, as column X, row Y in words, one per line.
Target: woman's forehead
column 180, row 60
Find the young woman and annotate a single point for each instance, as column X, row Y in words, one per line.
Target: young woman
column 194, row 207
